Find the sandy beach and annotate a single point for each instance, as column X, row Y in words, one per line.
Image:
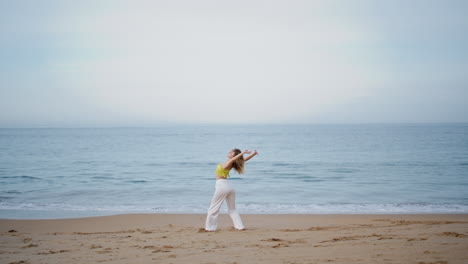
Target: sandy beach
column 178, row 238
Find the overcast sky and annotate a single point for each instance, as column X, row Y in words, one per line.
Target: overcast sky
column 80, row 63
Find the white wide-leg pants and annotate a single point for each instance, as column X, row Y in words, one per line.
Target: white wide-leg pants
column 224, row 191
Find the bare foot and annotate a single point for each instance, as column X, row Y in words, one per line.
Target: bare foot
column 202, row 230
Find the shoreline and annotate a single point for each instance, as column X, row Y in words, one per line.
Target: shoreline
column 21, row 214
column 226, row 213
column 269, row 238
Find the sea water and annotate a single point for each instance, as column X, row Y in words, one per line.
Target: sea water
column 304, row 169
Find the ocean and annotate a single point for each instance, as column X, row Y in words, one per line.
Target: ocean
column 301, row 169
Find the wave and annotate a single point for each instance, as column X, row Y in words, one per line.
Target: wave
column 22, row 177
column 59, row 210
column 13, row 192
column 361, row 208
column 343, row 170
column 104, row 178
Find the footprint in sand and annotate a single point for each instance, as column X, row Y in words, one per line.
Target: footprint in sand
column 53, row 252
column 345, row 238
column 291, row 230
column 272, row 239
column 417, row 239
column 284, row 243
column 454, row 234
column 105, row 251
column 407, row 222
column 30, row 246
column 157, row 249
column 277, row 245
column 437, row 262
column 280, row 245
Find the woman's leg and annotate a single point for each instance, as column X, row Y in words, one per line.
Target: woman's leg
column 231, row 204
column 212, row 218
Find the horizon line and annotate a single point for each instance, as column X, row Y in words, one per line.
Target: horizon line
column 162, row 124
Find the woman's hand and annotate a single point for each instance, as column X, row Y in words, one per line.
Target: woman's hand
column 251, row 156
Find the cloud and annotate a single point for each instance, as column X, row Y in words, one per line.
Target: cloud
column 218, row 65
column 228, row 62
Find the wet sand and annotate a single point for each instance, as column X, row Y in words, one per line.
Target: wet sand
column 178, row 238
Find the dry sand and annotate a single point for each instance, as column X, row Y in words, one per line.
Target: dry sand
column 176, row 238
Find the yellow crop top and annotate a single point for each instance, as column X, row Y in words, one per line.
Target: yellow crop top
column 221, row 172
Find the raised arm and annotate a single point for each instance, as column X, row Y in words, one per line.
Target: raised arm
column 251, row 156
column 229, row 163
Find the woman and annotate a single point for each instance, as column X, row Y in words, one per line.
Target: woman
column 225, row 191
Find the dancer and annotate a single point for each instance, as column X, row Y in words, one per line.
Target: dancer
column 225, row 191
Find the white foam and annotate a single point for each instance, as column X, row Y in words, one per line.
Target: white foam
column 30, row 210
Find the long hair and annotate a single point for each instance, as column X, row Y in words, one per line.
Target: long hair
column 238, row 165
